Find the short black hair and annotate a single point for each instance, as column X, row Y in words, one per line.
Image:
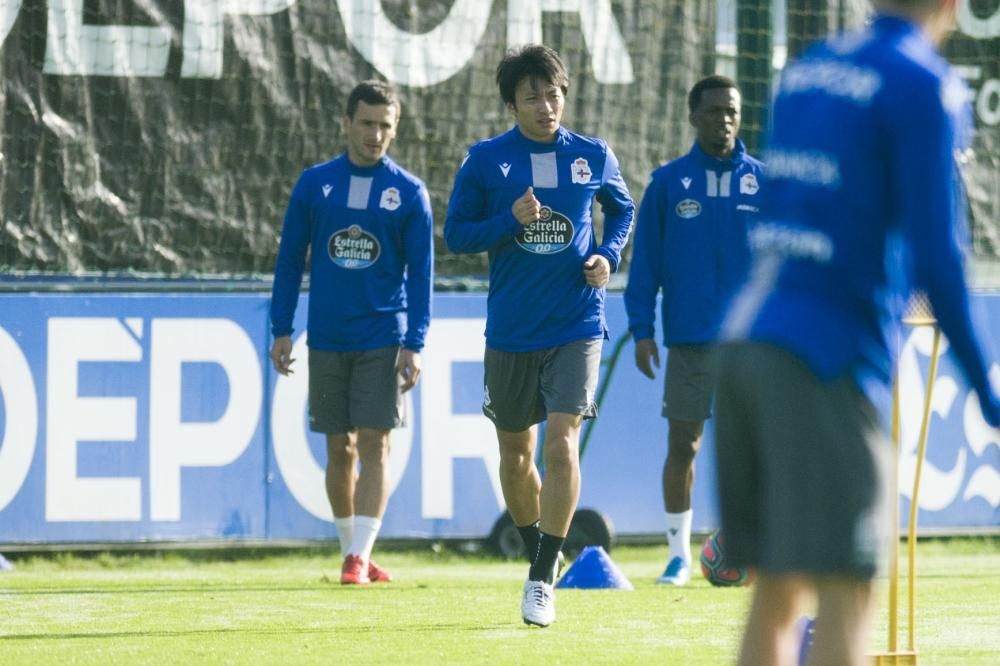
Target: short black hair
column 532, row 61
column 708, row 83
column 372, row 92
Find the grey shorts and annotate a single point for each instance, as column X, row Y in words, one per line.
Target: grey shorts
column 801, row 466
column 349, row 390
column 521, row 388
column 689, row 382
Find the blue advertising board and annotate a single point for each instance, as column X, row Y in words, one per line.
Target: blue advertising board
column 151, row 417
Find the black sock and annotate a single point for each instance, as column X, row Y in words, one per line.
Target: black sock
column 548, row 550
column 530, row 534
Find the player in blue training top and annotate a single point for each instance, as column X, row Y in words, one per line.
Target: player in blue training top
column 691, row 244
column 369, row 227
column 525, row 198
column 863, row 200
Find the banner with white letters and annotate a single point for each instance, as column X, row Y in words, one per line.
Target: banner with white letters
column 164, row 136
column 149, row 417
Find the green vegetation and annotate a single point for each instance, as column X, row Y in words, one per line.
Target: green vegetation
column 243, row 607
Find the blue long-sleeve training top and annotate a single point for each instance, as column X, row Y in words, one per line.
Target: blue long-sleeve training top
column 538, row 297
column 863, row 200
column 371, row 233
column 691, row 243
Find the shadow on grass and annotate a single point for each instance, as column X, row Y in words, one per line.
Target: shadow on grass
column 320, row 586
column 257, row 631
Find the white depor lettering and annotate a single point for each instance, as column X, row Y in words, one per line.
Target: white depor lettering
column 175, row 444
column 608, row 56
column 987, row 98
column 20, row 410
column 988, row 102
column 974, row 26
column 73, row 48
column 203, row 31
column 445, row 436
column 303, row 475
column 858, row 84
column 72, row 419
column 810, row 167
column 416, row 60
column 8, row 14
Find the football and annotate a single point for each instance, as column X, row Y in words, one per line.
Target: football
column 716, row 570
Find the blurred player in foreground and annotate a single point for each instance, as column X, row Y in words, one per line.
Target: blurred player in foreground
column 369, row 227
column 863, row 202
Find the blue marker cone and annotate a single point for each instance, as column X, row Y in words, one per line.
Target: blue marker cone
column 593, row 569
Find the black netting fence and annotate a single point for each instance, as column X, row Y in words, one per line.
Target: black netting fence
column 163, row 136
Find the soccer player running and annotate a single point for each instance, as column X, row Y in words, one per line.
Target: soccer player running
column 525, row 198
column 691, row 244
column 369, row 226
column 863, row 201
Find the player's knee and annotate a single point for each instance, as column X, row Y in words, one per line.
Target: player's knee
column 373, row 446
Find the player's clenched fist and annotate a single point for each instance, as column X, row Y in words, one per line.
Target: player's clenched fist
column 597, row 271
column 527, row 207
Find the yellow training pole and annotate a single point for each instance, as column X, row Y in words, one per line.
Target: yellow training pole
column 919, row 314
column 894, row 542
column 911, row 532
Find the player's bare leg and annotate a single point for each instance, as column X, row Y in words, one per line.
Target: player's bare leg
column 557, row 501
column 370, row 497
column 842, row 620
column 683, row 442
column 342, row 457
column 341, row 472
column 372, row 493
column 561, row 487
column 518, row 475
column 770, row 638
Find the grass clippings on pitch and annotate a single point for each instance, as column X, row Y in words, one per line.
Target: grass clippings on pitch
column 238, row 607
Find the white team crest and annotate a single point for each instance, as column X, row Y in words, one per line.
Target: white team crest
column 390, row 199
column 686, row 182
column 748, row 184
column 580, row 171
column 505, row 168
column 326, row 190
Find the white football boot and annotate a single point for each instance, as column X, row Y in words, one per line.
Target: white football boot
column 538, row 607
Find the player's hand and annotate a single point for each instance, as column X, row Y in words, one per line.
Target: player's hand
column 597, row 271
column 647, row 356
column 408, row 367
column 526, row 208
column 281, row 355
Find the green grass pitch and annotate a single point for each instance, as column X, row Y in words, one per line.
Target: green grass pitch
column 239, row 607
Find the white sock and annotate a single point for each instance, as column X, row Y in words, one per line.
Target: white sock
column 679, row 535
column 365, row 532
column 345, row 533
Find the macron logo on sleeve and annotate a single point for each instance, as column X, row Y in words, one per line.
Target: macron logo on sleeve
column 505, row 168
column 326, row 190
